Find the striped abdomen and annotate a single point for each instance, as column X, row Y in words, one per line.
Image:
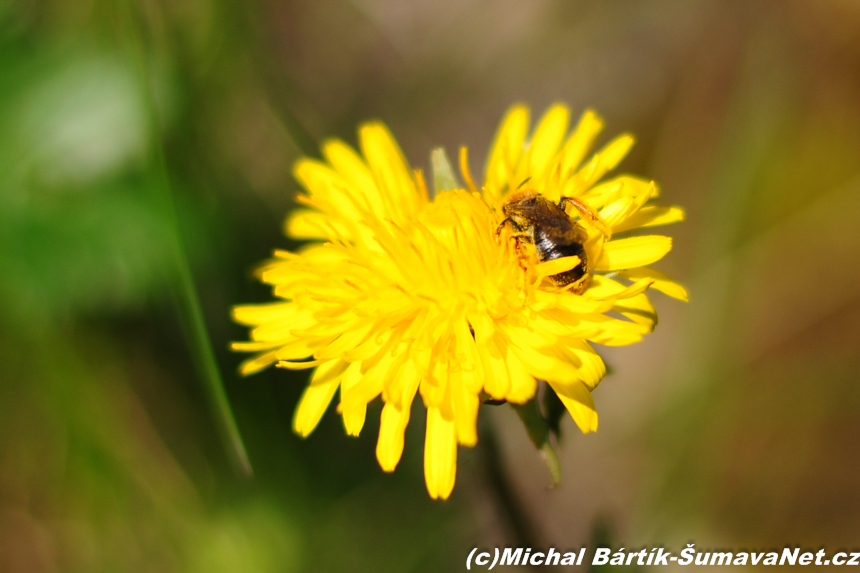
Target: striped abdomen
column 550, row 248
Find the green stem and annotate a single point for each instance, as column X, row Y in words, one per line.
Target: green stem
column 504, row 493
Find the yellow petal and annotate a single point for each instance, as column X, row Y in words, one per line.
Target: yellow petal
column 497, row 380
column 253, row 314
column 619, row 211
column 353, row 411
column 543, row 366
column 615, row 151
column 288, row 365
column 392, row 426
column 465, row 403
column 523, row 384
column 506, row 150
column 402, row 384
column 603, row 288
column 578, row 144
column 638, row 309
column 282, row 330
column 630, row 301
column 317, row 177
column 398, row 195
column 621, row 186
column 312, row 405
column 651, row 216
column 602, row 162
column 607, row 289
column 547, row 138
column 257, row 363
column 577, row 399
column 254, row 346
column 312, row 224
column 306, row 224
column 353, row 418
column 373, row 379
column 662, row 282
column 466, row 382
column 464, row 388
column 347, row 341
column 590, row 367
column 633, row 252
column 440, row 455
column 555, row 324
column 374, row 344
column 300, row 349
column 328, row 371
column 556, row 266
column 613, row 331
column 572, row 303
column 350, row 166
column 328, row 188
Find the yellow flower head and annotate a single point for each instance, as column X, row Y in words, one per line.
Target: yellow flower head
column 400, row 294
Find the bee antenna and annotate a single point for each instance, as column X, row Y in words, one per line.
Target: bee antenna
column 526, row 180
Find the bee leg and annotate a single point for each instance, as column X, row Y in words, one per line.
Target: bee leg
column 519, row 234
column 588, row 215
column 578, row 286
column 510, row 221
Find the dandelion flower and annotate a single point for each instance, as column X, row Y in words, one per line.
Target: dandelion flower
column 398, row 294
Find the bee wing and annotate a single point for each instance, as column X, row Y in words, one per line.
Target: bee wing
column 550, row 215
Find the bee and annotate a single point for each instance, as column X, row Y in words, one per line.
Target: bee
column 546, row 225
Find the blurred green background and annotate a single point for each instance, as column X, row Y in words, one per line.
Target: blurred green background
column 145, row 156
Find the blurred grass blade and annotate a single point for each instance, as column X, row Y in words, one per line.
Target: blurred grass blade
column 190, row 309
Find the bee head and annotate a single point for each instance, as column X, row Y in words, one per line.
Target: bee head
column 521, row 203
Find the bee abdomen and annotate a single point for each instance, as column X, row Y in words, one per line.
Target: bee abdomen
column 548, row 250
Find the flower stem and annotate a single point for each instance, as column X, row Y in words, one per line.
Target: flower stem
column 507, row 501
